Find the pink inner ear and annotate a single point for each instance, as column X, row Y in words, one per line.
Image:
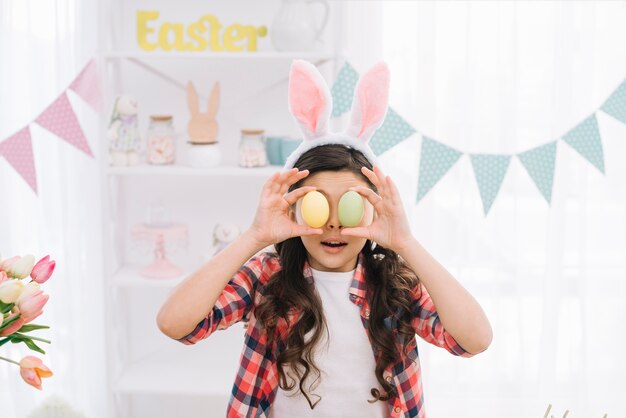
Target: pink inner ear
column 307, row 100
column 372, row 96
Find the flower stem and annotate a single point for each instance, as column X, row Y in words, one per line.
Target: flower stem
column 9, row 360
column 39, row 339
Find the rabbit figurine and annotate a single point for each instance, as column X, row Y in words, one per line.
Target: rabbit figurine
column 123, row 133
column 202, row 127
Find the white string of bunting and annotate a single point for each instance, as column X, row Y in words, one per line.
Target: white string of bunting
column 489, row 169
column 58, row 118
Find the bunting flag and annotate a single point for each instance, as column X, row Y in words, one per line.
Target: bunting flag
column 615, row 105
column 18, row 151
column 87, row 86
column 585, row 138
column 393, row 131
column 539, row 162
column 489, row 170
column 343, row 90
column 58, row 118
column 436, row 160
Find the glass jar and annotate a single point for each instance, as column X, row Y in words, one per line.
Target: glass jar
column 161, row 140
column 252, row 148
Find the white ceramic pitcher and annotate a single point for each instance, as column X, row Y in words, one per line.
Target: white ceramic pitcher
column 294, row 27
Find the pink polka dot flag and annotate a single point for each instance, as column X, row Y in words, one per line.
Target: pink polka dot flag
column 18, row 151
column 59, row 118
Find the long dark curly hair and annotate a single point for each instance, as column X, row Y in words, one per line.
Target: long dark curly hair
column 389, row 289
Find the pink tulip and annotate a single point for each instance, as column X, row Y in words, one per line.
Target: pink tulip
column 43, row 270
column 32, row 370
column 3, row 276
column 31, row 306
column 14, row 327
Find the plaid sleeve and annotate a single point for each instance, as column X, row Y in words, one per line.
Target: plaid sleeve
column 234, row 302
column 428, row 326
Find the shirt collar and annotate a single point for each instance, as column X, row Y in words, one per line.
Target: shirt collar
column 357, row 287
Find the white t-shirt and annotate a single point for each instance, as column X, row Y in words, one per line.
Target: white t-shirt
column 346, row 362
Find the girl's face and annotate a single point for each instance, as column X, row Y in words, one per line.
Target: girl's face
column 333, row 184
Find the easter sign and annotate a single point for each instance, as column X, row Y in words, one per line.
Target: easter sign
column 205, row 33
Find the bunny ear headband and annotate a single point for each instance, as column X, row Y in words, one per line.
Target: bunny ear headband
column 310, row 103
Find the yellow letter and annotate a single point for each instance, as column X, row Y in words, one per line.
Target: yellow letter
column 232, row 33
column 215, row 28
column 194, row 31
column 177, row 29
column 143, row 30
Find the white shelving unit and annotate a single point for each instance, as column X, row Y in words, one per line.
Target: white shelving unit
column 150, row 375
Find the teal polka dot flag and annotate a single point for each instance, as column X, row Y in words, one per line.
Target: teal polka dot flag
column 489, row 170
column 393, row 131
column 343, row 90
column 539, row 162
column 585, row 138
column 615, row 105
column 436, row 160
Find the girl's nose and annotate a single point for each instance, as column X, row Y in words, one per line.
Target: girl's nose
column 333, row 219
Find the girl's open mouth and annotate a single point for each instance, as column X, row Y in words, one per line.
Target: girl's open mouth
column 333, row 247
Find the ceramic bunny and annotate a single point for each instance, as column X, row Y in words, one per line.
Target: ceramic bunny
column 123, row 133
column 202, row 127
column 223, row 234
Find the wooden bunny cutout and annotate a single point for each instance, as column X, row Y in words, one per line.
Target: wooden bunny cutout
column 202, row 127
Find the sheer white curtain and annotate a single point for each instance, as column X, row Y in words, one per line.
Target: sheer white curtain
column 503, row 77
column 43, row 46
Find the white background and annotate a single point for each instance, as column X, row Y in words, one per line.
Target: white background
column 493, row 77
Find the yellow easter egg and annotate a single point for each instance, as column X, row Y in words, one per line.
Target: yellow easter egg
column 314, row 209
column 351, row 209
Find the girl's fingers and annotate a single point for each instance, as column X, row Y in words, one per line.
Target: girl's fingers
column 294, row 177
column 394, row 193
column 370, row 195
column 375, row 179
column 304, row 230
column 356, row 232
column 293, row 196
column 269, row 184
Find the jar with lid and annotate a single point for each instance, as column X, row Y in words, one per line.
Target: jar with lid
column 252, row 148
column 161, row 140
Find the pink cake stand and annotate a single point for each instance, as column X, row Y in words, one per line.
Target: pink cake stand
column 161, row 267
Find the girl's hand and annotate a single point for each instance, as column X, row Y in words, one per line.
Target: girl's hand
column 390, row 227
column 272, row 223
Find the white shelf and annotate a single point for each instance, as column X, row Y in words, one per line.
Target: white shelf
column 219, row 55
column 201, row 369
column 181, row 170
column 129, row 276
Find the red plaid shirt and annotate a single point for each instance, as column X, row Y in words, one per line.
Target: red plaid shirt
column 256, row 382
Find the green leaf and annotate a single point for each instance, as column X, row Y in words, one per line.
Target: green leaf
column 9, row 322
column 32, row 327
column 4, row 341
column 33, row 346
column 23, row 336
column 6, row 307
column 29, row 343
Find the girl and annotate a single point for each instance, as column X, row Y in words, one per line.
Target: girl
column 331, row 312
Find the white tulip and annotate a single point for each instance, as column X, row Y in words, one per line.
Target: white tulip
column 22, row 267
column 11, row 290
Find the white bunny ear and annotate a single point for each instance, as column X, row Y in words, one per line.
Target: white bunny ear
column 369, row 105
column 309, row 99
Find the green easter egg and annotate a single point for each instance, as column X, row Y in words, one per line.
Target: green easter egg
column 351, row 209
column 314, row 209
